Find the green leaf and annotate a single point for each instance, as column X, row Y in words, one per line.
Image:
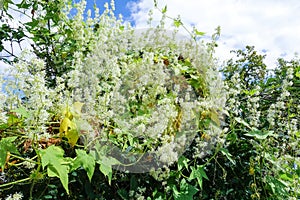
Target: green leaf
column 226, row 153
column 57, row 165
column 177, row 23
column 199, row 174
column 86, row 161
column 186, row 192
column 199, row 33
column 7, row 145
column 123, row 194
column 183, row 162
column 164, row 10
column 259, row 134
column 106, row 164
column 23, row 4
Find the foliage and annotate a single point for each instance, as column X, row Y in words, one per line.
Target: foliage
column 264, row 126
column 94, row 111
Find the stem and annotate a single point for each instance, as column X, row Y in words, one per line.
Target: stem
column 14, row 182
column 24, row 159
column 33, row 183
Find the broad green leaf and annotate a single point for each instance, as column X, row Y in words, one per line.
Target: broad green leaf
column 6, row 145
column 57, row 165
column 107, row 171
column 86, row 161
column 106, row 166
column 123, row 194
column 226, row 153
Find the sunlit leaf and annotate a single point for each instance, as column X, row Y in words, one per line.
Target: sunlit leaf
column 22, row 111
column 77, row 106
column 215, row 117
column 241, row 121
column 86, row 161
column 72, row 136
column 64, row 125
column 106, row 164
column 199, row 33
column 57, row 165
column 177, row 23
column 164, row 10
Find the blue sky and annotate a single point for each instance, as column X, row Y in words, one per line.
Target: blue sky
column 120, row 5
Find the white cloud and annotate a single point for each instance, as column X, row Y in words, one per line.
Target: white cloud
column 271, row 25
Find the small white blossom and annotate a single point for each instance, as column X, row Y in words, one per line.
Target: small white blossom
column 16, row 196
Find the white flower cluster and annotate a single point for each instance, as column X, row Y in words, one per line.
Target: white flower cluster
column 233, row 91
column 16, row 196
column 276, row 110
column 148, row 86
column 253, row 107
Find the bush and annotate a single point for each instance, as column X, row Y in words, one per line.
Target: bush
column 96, row 111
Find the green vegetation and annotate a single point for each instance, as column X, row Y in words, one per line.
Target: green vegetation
column 94, row 111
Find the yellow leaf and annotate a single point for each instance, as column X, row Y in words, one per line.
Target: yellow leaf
column 64, row 125
column 77, row 106
column 67, row 113
column 72, row 136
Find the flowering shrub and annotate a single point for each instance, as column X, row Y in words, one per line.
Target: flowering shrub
column 263, row 135
column 115, row 100
column 97, row 111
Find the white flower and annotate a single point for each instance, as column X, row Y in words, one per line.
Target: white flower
column 16, row 196
column 167, row 153
column 28, row 164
